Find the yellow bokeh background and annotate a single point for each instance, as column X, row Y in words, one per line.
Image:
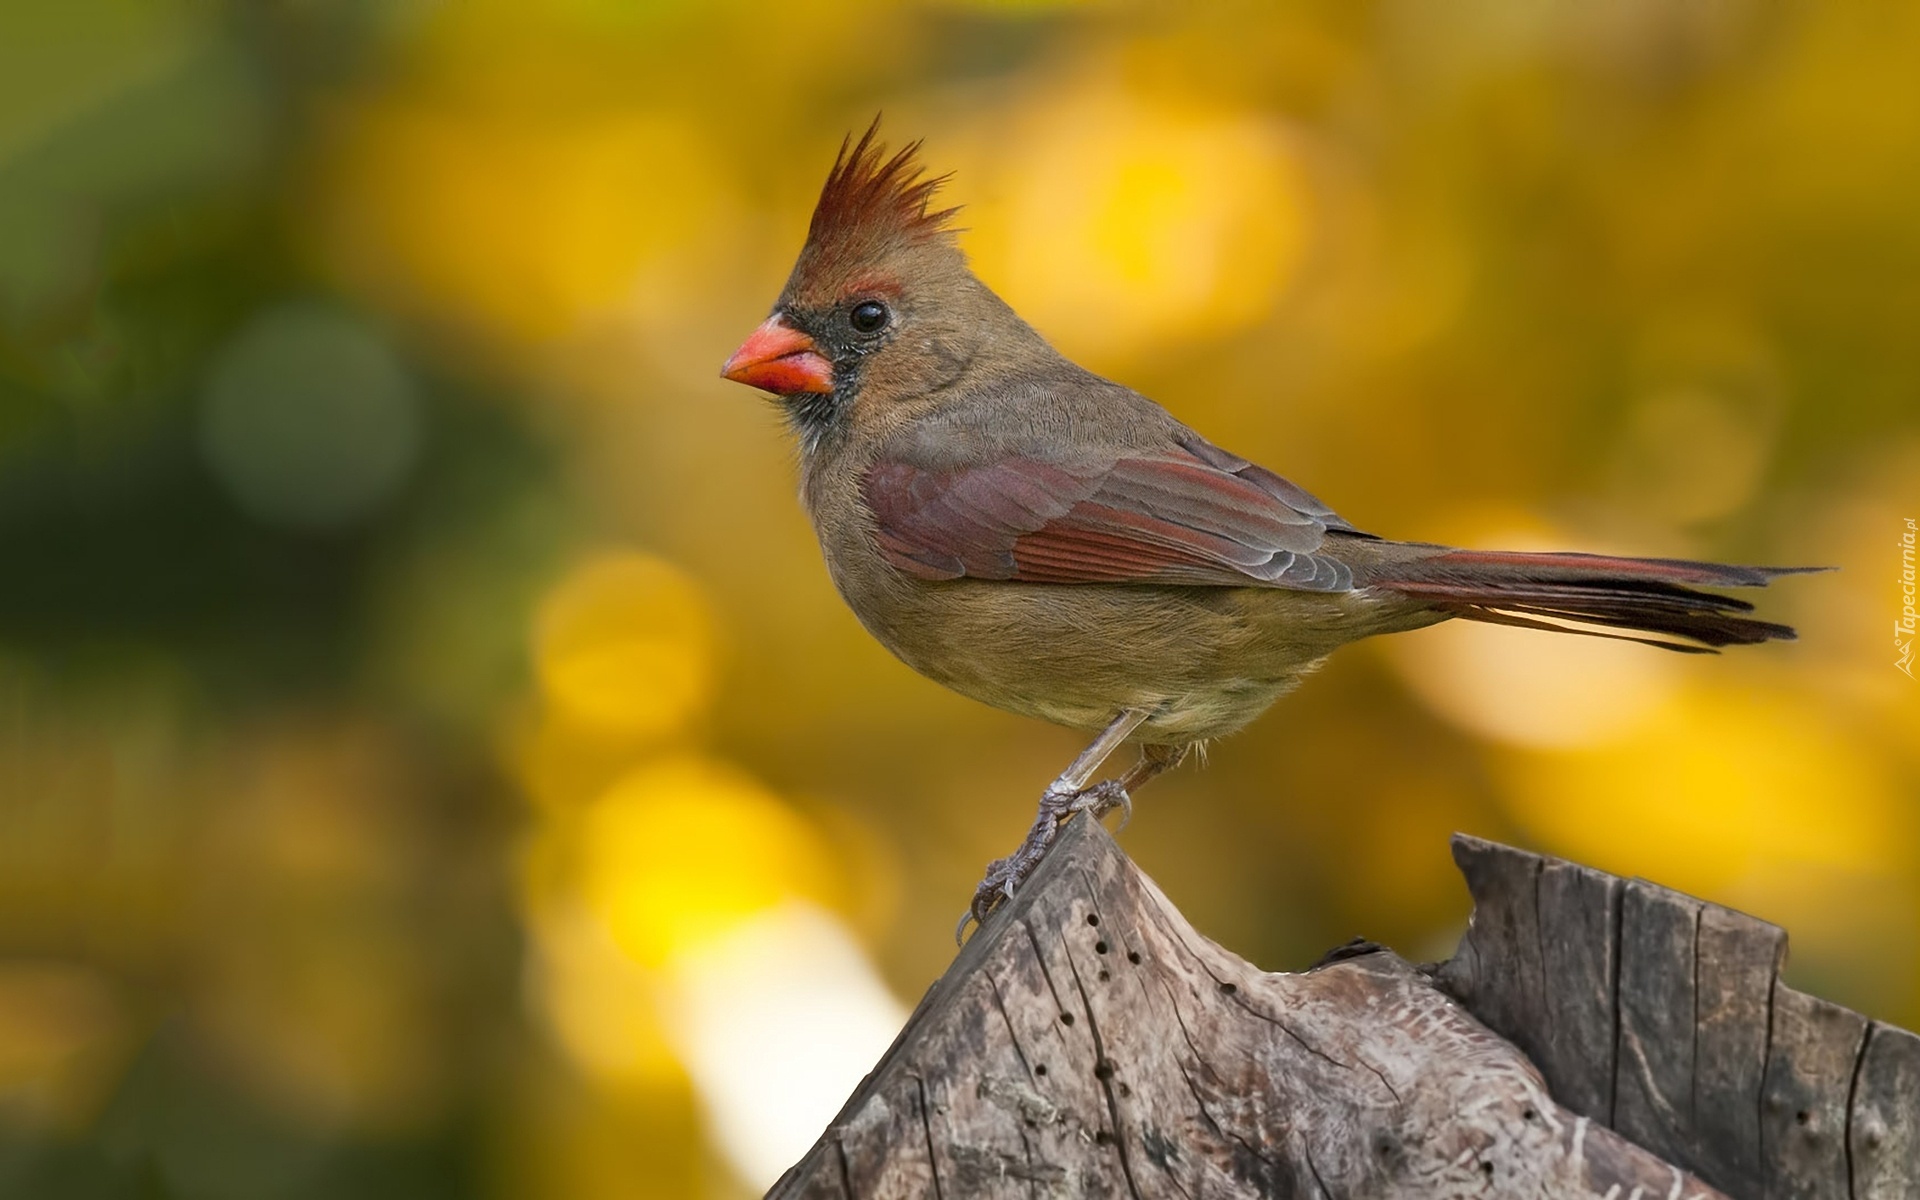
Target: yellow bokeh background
column 428, row 734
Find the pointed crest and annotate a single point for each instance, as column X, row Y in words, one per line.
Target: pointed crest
column 871, row 198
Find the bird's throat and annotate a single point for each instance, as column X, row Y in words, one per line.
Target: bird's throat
column 817, row 417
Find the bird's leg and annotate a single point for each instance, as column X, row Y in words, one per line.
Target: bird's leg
column 1061, row 800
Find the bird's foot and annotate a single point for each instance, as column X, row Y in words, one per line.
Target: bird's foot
column 1005, row 875
column 995, row 888
column 1102, row 798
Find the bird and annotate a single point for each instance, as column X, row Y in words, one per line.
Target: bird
column 1055, row 544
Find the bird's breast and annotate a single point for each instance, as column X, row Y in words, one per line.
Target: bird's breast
column 1205, row 661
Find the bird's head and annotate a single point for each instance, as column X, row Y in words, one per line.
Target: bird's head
column 880, row 306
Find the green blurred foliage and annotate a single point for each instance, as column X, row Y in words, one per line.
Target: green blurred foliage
column 335, row 338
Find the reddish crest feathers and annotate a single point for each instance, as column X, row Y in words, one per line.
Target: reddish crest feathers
column 872, row 200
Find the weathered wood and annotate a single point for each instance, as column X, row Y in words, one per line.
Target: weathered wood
column 1806, row 1098
column 1088, row 1042
column 1654, row 1064
column 1579, row 917
column 1504, row 945
column 1540, row 966
column 1759, row 1089
column 1736, row 960
column 1884, row 1127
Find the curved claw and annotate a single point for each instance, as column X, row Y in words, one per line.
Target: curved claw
column 1102, row 798
column 995, row 889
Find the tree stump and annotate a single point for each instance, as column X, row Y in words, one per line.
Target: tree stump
column 1592, row 1037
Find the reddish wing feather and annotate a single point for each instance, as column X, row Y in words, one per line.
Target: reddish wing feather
column 1172, row 518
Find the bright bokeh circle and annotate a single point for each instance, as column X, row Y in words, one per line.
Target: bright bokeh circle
column 625, row 643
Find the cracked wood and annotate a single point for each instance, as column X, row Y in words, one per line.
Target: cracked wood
column 1089, row 1043
column 1664, row 1017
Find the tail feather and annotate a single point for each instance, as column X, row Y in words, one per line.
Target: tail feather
column 1645, row 595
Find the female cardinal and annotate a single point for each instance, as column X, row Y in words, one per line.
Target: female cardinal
column 1052, row 543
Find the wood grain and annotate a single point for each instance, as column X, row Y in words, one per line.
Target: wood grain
column 1089, row 1043
column 1759, row 1089
column 1884, row 1125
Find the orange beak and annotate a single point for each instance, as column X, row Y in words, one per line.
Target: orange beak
column 780, row 359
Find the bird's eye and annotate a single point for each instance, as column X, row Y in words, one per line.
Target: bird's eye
column 868, row 316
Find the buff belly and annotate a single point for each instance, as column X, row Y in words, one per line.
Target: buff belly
column 1203, row 661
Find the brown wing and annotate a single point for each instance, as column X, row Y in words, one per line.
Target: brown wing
column 1192, row 515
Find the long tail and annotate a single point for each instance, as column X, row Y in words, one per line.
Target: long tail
column 1539, row 591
